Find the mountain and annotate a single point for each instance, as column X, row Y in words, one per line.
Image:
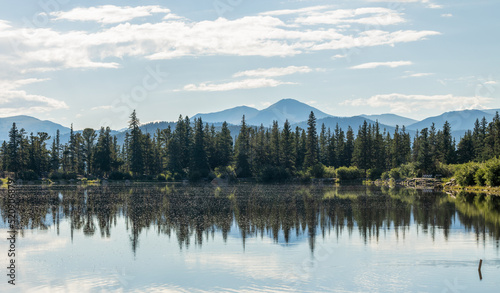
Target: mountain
column 232, row 116
column 491, row 111
column 460, row 121
column 30, row 124
column 290, row 109
column 391, row 119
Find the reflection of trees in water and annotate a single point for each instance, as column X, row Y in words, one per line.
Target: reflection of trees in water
column 196, row 213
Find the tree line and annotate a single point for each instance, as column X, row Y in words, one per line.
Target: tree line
column 195, row 150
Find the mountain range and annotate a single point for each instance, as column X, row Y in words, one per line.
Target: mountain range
column 294, row 111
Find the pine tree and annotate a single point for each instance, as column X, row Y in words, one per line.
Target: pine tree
column 136, row 150
column 224, row 148
column 287, row 147
column 89, row 136
column 424, row 156
column 323, row 145
column 347, row 157
column 446, row 148
column 362, row 154
column 242, row 153
column 14, row 159
column 199, row 161
column 275, row 144
column 55, row 153
column 312, row 154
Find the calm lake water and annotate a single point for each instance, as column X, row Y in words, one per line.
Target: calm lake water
column 251, row 238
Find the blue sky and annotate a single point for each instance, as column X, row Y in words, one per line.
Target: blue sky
column 92, row 62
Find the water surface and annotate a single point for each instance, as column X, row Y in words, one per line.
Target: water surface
column 251, row 238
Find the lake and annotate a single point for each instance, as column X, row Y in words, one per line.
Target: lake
column 250, row 238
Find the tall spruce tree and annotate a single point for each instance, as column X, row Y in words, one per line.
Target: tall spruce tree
column 136, row 143
column 312, row 153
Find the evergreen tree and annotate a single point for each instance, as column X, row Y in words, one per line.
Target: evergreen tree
column 288, row 147
column 362, row 154
column 55, row 153
column 323, row 145
column 424, row 156
column 242, row 152
column 89, row 136
column 275, row 144
column 224, row 148
column 312, row 155
column 199, row 161
column 347, row 156
column 135, row 144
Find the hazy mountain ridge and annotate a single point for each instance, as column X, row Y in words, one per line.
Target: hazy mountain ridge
column 30, row 124
column 296, row 112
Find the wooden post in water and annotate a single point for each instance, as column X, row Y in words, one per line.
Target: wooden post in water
column 479, row 269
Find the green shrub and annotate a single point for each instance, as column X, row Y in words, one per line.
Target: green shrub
column 374, row 174
column 465, row 174
column 317, row 171
column 329, row 172
column 492, row 175
column 226, row 172
column 480, row 177
column 385, row 175
column 408, row 171
column 445, row 170
column 117, row 175
column 395, row 174
column 161, row 178
column 27, row 175
column 351, row 173
column 272, row 173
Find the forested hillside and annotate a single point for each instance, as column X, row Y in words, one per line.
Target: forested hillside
column 196, row 150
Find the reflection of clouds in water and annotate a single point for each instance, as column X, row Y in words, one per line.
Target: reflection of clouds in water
column 244, row 265
column 39, row 242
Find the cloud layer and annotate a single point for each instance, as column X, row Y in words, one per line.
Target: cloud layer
column 391, row 64
column 134, row 32
column 401, row 103
column 14, row 101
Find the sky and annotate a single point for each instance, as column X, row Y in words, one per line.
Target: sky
column 91, row 63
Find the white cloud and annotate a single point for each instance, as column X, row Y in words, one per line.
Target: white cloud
column 274, row 72
column 373, row 38
column 419, row 74
column 392, row 64
column 401, row 103
column 107, row 107
column 339, row 56
column 491, row 82
column 296, row 11
column 446, row 15
column 14, row 101
column 108, row 13
column 427, row 2
column 47, row 49
column 374, row 16
column 235, row 85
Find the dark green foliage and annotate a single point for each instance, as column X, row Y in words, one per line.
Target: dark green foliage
column 312, row 153
column 465, row 175
column 492, row 172
column 242, row 151
column 269, row 173
column 198, row 151
column 349, row 173
column 135, row 145
column 317, row 171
